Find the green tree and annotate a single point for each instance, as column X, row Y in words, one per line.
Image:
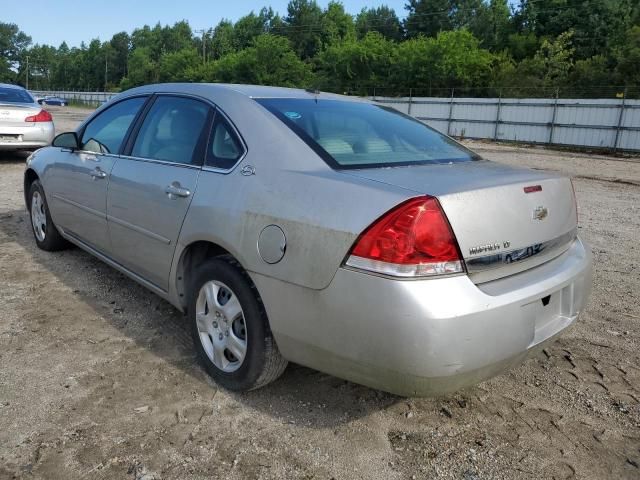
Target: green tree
column 269, row 61
column 176, row 66
column 120, row 44
column 427, row 17
column 492, row 24
column 597, row 24
column 222, row 40
column 556, row 59
column 42, row 64
column 336, row 24
column 357, row 65
column 13, row 44
column 382, row 20
column 142, row 69
column 247, row 28
column 522, row 45
column 303, row 27
column 594, row 72
column 451, row 60
column 628, row 58
column 177, row 37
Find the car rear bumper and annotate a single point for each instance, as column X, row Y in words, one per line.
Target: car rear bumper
column 425, row 337
column 30, row 137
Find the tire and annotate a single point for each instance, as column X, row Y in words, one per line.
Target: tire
column 45, row 233
column 230, row 328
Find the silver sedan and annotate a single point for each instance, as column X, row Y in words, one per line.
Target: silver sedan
column 329, row 231
column 24, row 125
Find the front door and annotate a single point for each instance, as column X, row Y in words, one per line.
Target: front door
column 150, row 189
column 78, row 181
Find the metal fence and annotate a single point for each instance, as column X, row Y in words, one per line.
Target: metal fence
column 86, row 98
column 604, row 124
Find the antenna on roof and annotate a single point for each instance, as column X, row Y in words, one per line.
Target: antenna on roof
column 315, row 91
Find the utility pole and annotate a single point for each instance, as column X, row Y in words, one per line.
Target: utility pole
column 204, row 44
column 105, row 72
column 27, row 72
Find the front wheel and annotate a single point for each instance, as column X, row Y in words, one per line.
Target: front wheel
column 44, row 231
column 230, row 328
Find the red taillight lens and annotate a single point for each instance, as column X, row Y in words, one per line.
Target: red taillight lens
column 414, row 239
column 43, row 116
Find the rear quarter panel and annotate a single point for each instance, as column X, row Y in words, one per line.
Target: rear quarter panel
column 321, row 211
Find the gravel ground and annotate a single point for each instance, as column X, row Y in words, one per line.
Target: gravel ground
column 99, row 379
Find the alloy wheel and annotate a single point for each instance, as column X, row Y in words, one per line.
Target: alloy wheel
column 38, row 216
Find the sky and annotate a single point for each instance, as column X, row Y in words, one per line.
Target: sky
column 53, row 21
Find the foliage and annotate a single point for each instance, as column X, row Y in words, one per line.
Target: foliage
column 382, row 20
column 628, row 56
column 270, row 60
column 555, row 59
column 478, row 47
column 452, row 59
column 355, row 65
column 303, row 26
column 13, row 44
column 428, row 17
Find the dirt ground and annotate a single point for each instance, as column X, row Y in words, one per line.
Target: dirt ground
column 98, row 377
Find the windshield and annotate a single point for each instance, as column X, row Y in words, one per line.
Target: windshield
column 14, row 95
column 363, row 135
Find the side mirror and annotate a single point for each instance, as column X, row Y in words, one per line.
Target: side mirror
column 67, row 140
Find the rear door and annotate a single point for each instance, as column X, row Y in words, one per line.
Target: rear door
column 152, row 186
column 77, row 181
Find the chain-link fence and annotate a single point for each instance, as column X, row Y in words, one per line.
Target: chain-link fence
column 604, row 91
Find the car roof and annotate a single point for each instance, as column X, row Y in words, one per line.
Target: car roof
column 9, row 85
column 250, row 91
column 263, row 91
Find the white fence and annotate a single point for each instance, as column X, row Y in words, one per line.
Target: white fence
column 610, row 124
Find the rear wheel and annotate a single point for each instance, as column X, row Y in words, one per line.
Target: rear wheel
column 44, row 231
column 230, row 328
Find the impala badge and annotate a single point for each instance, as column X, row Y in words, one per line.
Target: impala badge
column 540, row 213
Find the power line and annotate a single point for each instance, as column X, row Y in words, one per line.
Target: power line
column 317, row 26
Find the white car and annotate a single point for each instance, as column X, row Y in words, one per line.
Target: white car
column 24, row 125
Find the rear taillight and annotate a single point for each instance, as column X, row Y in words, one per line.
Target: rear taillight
column 42, row 116
column 412, row 240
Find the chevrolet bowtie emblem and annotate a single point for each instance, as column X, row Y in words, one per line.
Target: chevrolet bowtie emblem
column 540, row 213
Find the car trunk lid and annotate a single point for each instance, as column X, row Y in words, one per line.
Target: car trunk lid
column 505, row 219
column 14, row 114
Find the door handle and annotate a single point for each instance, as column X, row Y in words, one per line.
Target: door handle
column 97, row 173
column 175, row 190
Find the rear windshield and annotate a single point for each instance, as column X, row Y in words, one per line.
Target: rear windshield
column 14, row 95
column 363, row 135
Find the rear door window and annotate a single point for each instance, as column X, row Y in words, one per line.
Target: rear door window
column 172, row 130
column 105, row 133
